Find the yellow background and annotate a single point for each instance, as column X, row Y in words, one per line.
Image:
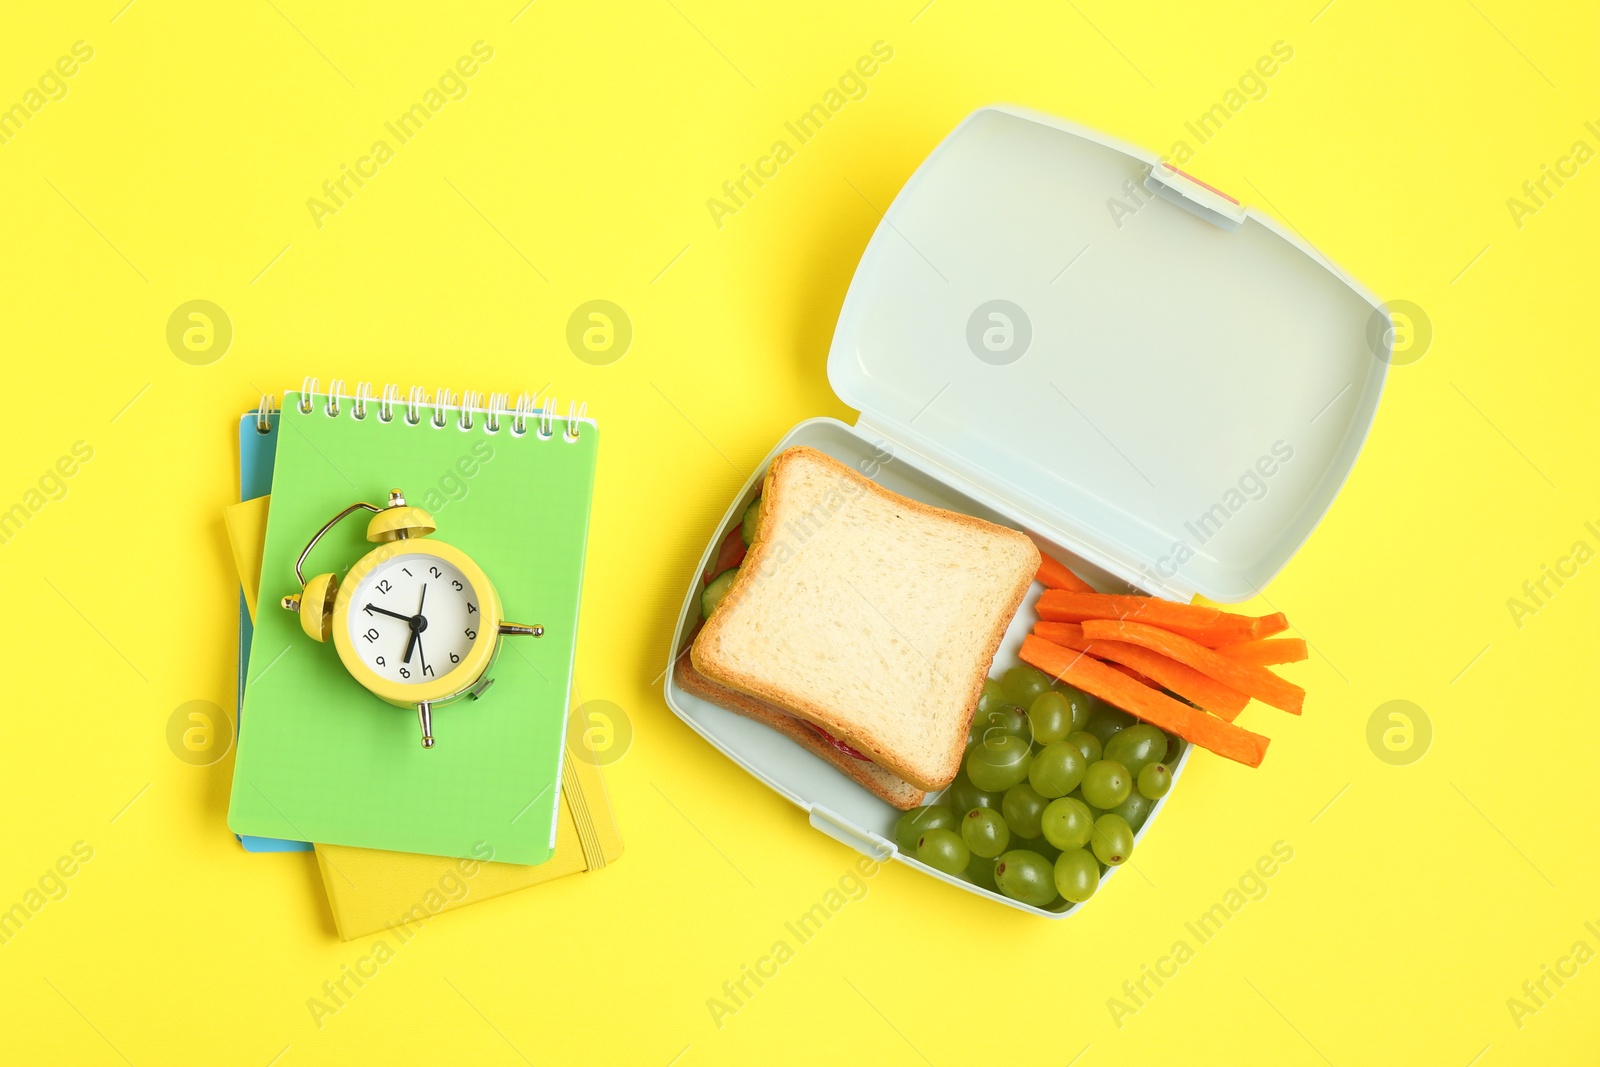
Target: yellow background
column 178, row 167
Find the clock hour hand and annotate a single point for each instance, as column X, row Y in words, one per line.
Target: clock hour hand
column 417, row 623
column 370, row 608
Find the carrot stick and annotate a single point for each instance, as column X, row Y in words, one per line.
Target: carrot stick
column 1206, row 625
column 1212, row 695
column 1267, row 651
column 1053, row 574
column 1273, row 624
column 1154, row 707
column 1123, row 668
column 1253, row 681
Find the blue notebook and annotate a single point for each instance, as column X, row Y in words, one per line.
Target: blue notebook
column 256, row 451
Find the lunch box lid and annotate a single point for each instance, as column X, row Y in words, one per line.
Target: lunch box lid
column 1132, row 363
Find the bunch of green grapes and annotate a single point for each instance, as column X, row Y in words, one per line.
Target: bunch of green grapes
column 1053, row 786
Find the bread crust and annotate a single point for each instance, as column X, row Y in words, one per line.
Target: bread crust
column 878, row 781
column 837, row 721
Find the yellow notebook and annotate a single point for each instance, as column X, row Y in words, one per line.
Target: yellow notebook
column 369, row 890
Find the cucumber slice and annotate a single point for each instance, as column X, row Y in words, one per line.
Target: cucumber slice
column 716, row 590
column 752, row 519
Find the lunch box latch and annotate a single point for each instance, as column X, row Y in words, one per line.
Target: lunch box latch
column 1195, row 196
column 843, row 830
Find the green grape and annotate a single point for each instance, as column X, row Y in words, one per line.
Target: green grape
column 1002, row 719
column 943, row 850
column 1175, row 747
column 1136, row 747
column 1023, row 807
column 914, row 822
column 1155, row 780
column 1022, row 683
column 1135, row 809
column 1112, row 839
column 985, row 832
column 980, row 872
column 1026, row 876
column 1067, row 823
column 1077, row 875
column 1077, row 794
column 998, row 762
column 992, row 696
column 1050, row 715
column 963, row 796
column 1036, row 844
column 1106, row 784
column 1057, row 769
column 1086, row 743
column 1106, row 722
column 1081, row 703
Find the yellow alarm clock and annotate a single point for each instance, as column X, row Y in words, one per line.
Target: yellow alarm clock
column 416, row 621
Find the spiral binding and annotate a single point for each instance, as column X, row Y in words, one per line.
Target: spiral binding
column 518, row 416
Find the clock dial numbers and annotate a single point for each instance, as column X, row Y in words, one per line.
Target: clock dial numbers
column 414, row 618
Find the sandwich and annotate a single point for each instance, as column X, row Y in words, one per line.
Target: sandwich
column 870, row 616
column 852, row 764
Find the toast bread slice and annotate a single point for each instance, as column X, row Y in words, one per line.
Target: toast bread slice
column 871, row 615
column 876, row 780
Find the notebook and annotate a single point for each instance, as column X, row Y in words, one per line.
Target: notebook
column 370, row 891
column 322, row 759
column 258, row 436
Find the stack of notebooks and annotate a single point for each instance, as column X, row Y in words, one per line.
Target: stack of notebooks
column 403, row 832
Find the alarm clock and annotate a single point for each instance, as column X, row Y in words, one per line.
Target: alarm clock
column 415, row 621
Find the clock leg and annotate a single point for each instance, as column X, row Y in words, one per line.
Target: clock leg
column 425, row 715
column 508, row 629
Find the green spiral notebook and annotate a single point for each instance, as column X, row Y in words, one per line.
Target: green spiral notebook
column 322, row 759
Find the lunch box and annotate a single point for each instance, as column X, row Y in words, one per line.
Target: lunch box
column 1062, row 334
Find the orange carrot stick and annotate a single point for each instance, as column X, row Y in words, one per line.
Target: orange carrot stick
column 1267, row 651
column 1206, row 625
column 1123, row 668
column 1053, row 574
column 1210, row 694
column 1273, row 624
column 1153, row 706
column 1253, row 681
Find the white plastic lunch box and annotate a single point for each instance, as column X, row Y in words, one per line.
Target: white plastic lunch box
column 1059, row 333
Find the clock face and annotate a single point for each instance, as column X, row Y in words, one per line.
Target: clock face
column 413, row 618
